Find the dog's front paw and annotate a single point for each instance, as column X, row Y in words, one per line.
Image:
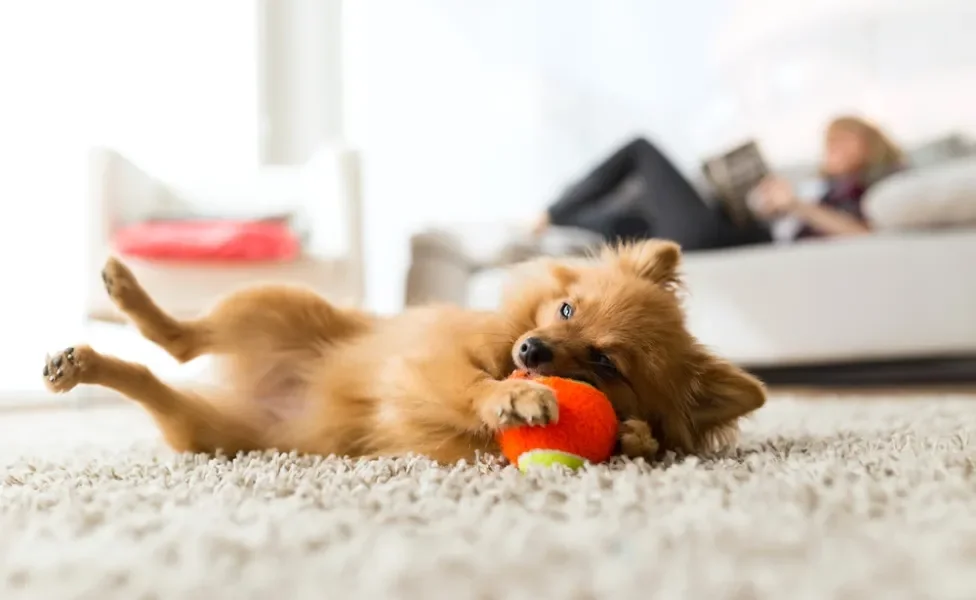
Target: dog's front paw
column 513, row 403
column 636, row 440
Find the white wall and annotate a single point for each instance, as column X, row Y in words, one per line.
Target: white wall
column 481, row 111
column 911, row 65
column 172, row 84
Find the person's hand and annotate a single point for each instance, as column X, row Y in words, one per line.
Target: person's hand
column 774, row 197
column 541, row 224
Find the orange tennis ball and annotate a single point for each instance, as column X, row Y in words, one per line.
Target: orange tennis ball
column 585, row 432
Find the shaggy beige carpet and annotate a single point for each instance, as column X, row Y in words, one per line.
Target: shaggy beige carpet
column 846, row 498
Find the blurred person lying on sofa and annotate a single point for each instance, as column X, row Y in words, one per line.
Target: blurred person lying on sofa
column 856, row 155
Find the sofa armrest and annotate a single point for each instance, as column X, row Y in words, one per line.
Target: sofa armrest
column 444, row 259
column 440, row 268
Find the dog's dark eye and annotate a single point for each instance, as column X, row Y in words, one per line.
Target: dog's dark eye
column 603, row 362
column 566, row 310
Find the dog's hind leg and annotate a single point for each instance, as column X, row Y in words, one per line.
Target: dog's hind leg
column 254, row 321
column 269, row 339
column 184, row 340
column 189, row 422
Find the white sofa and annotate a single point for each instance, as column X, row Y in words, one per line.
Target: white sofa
column 323, row 194
column 902, row 293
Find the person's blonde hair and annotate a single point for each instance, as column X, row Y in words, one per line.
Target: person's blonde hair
column 884, row 156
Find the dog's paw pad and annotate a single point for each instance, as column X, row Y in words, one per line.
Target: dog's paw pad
column 63, row 370
column 120, row 283
column 519, row 403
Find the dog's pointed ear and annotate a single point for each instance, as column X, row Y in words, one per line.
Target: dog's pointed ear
column 562, row 273
column 722, row 393
column 654, row 260
column 545, row 272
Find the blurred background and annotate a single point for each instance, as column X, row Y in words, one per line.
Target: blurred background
column 390, row 153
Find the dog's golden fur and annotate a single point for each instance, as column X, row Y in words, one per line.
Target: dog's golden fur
column 304, row 375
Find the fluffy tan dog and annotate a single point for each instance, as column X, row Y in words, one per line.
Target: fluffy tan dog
column 304, row 375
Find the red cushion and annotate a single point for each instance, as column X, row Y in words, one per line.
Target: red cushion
column 238, row 241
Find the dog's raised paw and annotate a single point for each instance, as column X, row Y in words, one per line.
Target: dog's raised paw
column 517, row 402
column 64, row 370
column 120, row 283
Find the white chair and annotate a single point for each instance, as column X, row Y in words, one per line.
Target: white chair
column 323, row 193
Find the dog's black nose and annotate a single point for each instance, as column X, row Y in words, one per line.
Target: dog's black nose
column 534, row 352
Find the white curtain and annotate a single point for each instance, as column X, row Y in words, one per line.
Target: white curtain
column 172, row 84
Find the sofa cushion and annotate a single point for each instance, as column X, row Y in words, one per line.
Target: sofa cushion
column 940, row 195
column 941, row 149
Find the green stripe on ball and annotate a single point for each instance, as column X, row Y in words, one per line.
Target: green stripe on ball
column 547, row 458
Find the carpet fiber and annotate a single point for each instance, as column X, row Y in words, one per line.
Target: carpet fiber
column 829, row 498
